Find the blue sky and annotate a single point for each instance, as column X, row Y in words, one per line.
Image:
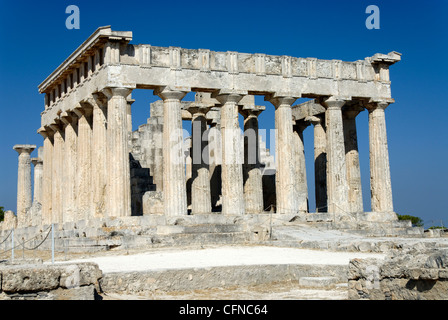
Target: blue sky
column 35, row 41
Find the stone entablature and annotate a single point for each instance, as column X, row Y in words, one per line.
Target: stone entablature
column 106, row 60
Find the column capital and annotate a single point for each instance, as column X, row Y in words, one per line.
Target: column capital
column 302, row 124
column 27, row 148
column 171, row 92
column 351, row 111
column 279, row 100
column 314, row 120
column 229, row 95
column 251, row 111
column 198, row 109
column 333, row 102
column 36, row 161
column 68, row 117
column 83, row 108
column 117, row 91
column 55, row 126
column 100, row 98
column 381, row 104
column 43, row 132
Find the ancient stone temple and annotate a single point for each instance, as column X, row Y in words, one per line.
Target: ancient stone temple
column 93, row 165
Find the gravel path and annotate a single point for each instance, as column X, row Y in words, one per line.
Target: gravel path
column 220, row 256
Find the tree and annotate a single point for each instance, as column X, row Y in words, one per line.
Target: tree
column 2, row 214
column 416, row 221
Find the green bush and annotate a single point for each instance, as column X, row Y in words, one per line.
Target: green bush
column 416, row 221
column 2, row 214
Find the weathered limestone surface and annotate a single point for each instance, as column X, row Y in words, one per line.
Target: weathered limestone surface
column 38, row 175
column 413, row 275
column 320, row 162
column 174, row 180
column 47, row 175
column 252, row 175
column 231, row 169
column 84, row 164
column 50, row 282
column 380, row 181
column 200, row 174
column 119, row 185
column 299, row 158
column 9, row 221
column 99, row 155
column 70, row 169
column 352, row 161
column 286, row 189
column 337, row 186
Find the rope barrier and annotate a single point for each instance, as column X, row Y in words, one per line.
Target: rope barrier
column 4, row 240
column 22, row 244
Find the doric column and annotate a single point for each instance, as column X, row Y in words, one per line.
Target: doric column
column 252, row 176
column 285, row 182
column 70, row 172
column 38, row 177
column 47, row 207
column 99, row 154
column 84, row 162
column 301, row 182
column 231, row 168
column 380, row 181
column 24, row 191
column 118, row 169
column 352, row 159
column 215, row 152
column 320, row 161
column 337, row 186
column 58, row 172
column 200, row 174
column 174, row 181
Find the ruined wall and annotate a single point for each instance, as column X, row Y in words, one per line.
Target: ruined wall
column 411, row 275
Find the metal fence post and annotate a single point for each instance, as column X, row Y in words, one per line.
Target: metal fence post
column 52, row 243
column 12, row 245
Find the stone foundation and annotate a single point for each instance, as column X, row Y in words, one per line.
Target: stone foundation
column 78, row 281
column 408, row 275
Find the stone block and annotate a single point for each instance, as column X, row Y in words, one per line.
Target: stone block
column 29, row 278
column 317, row 282
column 153, row 202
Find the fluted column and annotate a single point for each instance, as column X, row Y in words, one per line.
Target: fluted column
column 70, row 172
column 99, row 154
column 215, row 152
column 252, row 176
column 352, row 160
column 47, row 207
column 200, row 174
column 301, row 182
column 285, row 187
column 38, row 178
column 118, row 169
column 231, row 168
column 24, row 191
column 380, row 181
column 320, row 161
column 57, row 175
column 337, row 186
column 174, row 180
column 84, row 163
